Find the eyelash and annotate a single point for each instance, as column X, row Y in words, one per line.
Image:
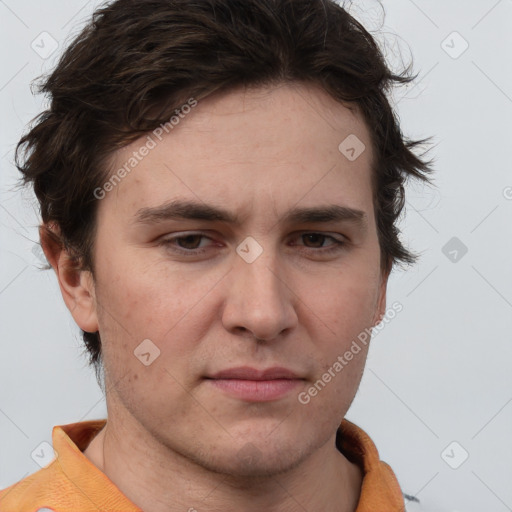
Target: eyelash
column 336, row 245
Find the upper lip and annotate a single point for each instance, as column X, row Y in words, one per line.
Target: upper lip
column 248, row 373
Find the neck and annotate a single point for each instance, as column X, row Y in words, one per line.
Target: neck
column 160, row 480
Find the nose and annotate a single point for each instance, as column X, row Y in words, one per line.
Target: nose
column 259, row 302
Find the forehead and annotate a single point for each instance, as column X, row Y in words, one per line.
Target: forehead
column 272, row 146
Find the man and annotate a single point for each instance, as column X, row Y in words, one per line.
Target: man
column 219, row 184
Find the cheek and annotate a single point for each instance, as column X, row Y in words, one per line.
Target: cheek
column 154, row 317
column 156, row 304
column 345, row 304
column 341, row 316
column 147, row 300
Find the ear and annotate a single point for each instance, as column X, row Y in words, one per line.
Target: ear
column 76, row 286
column 380, row 310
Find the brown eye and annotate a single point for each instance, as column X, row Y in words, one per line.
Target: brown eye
column 191, row 245
column 320, row 245
column 189, row 241
column 315, row 239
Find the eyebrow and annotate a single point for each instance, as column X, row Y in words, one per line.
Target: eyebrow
column 181, row 209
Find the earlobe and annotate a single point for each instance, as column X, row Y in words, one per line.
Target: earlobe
column 76, row 285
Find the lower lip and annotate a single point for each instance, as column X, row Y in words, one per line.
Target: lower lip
column 256, row 390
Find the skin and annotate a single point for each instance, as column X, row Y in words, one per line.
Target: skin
column 174, row 441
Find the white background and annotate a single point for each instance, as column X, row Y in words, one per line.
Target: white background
column 438, row 373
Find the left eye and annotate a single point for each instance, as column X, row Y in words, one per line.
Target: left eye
column 317, row 240
column 189, row 241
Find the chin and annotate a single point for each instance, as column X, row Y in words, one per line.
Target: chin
column 257, row 459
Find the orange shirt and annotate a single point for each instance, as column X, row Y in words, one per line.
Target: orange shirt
column 72, row 483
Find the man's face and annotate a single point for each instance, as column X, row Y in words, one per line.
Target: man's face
column 259, row 156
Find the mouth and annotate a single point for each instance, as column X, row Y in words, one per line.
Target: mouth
column 254, row 385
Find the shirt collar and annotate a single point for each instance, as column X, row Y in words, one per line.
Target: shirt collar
column 71, row 473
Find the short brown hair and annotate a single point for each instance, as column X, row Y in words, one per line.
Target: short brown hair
column 139, row 60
